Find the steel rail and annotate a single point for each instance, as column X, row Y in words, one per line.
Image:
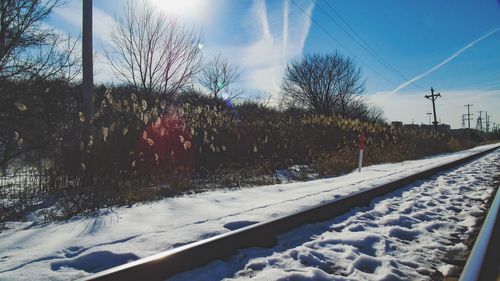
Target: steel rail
column 194, row 255
column 484, row 259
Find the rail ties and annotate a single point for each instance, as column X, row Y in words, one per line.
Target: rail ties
column 191, row 256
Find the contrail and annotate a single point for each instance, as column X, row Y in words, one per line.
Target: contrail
column 262, row 12
column 285, row 29
column 436, row 67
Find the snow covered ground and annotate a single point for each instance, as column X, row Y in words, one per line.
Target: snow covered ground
column 31, row 250
column 414, row 233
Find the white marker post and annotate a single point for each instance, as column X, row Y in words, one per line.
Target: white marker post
column 361, row 148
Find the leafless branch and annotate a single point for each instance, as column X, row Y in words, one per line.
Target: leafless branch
column 217, row 76
column 153, row 53
column 322, row 84
column 28, row 50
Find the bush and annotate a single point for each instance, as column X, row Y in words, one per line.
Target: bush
column 232, row 145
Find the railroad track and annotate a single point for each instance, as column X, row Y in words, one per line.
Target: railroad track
column 194, row 255
column 484, row 259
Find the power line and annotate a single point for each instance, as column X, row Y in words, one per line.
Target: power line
column 340, row 44
column 361, row 42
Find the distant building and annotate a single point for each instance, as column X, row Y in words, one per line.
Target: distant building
column 411, row 126
column 460, row 133
column 427, row 127
column 396, row 124
column 444, row 128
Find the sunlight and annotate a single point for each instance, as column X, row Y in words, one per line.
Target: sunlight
column 183, row 9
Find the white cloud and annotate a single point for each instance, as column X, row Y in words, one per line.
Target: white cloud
column 413, row 107
column 264, row 60
column 102, row 22
column 198, row 12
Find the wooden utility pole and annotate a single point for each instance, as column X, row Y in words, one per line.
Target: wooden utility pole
column 88, row 80
column 468, row 114
column 433, row 98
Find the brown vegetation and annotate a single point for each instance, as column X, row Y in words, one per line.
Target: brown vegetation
column 51, row 156
column 233, row 146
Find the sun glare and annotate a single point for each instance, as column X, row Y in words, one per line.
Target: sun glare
column 181, row 8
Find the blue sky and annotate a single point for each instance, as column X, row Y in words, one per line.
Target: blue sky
column 454, row 45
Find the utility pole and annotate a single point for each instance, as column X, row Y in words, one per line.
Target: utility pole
column 429, row 115
column 468, row 114
column 479, row 124
column 487, row 122
column 88, row 80
column 433, row 98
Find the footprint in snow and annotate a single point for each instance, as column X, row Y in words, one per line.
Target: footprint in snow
column 95, row 262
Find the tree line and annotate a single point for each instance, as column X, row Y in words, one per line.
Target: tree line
column 165, row 79
column 158, row 58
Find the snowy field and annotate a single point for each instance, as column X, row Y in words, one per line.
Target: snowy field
column 414, row 233
column 31, row 250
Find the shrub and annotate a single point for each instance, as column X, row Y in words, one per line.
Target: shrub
column 233, row 145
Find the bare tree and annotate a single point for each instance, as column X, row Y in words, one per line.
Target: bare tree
column 376, row 114
column 217, row 76
column 360, row 108
column 32, row 57
column 350, row 86
column 153, row 53
column 28, row 49
column 322, row 84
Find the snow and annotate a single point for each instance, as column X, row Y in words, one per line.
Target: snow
column 414, row 233
column 82, row 245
